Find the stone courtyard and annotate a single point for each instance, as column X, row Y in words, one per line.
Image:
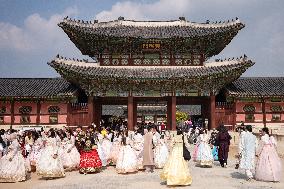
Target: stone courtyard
column 216, row 177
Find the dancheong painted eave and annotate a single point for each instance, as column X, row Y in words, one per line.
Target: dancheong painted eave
column 88, row 69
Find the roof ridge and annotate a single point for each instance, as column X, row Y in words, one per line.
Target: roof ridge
column 33, row 78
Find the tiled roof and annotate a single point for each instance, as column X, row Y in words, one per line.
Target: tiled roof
column 128, row 36
column 149, row 72
column 256, row 87
column 151, row 29
column 36, row 87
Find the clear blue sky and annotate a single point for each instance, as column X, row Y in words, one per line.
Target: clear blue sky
column 30, row 37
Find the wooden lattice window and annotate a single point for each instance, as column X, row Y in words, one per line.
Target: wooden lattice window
column 53, row 119
column 25, row 109
column 276, row 108
column 3, row 110
column 249, row 108
column 53, row 110
column 249, row 117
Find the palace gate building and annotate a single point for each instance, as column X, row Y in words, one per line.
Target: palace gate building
column 145, row 70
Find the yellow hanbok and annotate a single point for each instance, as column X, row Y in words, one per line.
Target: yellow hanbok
column 176, row 170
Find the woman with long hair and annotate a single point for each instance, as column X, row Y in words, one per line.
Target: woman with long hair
column 127, row 160
column 176, row 170
column 13, row 167
column 49, row 164
column 70, row 155
column 268, row 165
column 204, row 153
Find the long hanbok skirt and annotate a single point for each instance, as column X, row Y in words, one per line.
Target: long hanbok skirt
column 47, row 166
column 176, row 170
column 215, row 153
column 34, row 156
column 127, row 160
column 106, row 147
column 90, row 162
column 15, row 170
column 195, row 151
column 161, row 156
column 70, row 160
column 101, row 154
column 268, row 165
column 204, row 155
column 114, row 153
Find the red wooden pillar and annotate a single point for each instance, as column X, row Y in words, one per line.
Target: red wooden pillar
column 12, row 112
column 130, row 108
column 212, row 122
column 173, row 110
column 169, row 114
column 263, row 112
column 134, row 112
column 97, row 111
column 38, row 107
column 69, row 114
column 91, row 110
column 235, row 114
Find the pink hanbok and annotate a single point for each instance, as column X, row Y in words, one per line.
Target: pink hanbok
column 268, row 166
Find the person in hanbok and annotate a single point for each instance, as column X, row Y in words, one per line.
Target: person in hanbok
column 13, row 167
column 49, row 164
column 204, row 154
column 138, row 143
column 148, row 151
column 168, row 139
column 70, row 155
column 107, row 144
column 223, row 142
column 161, row 153
column 268, row 165
column 35, row 152
column 90, row 161
column 176, row 170
column 2, row 146
column 196, row 142
column 116, row 144
column 99, row 139
column 247, row 151
column 213, row 144
column 127, row 160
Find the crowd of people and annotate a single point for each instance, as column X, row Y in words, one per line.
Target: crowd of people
column 54, row 152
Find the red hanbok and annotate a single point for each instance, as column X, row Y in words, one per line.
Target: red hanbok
column 90, row 161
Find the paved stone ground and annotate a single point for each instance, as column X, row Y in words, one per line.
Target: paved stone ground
column 216, row 177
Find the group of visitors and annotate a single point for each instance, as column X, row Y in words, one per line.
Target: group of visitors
column 54, row 152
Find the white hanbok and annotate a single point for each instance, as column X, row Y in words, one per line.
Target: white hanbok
column 204, row 152
column 127, row 160
column 47, row 165
column 247, row 148
column 16, row 169
column 101, row 151
column 161, row 154
column 106, row 145
column 70, row 155
column 115, row 150
column 138, row 143
column 35, row 152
